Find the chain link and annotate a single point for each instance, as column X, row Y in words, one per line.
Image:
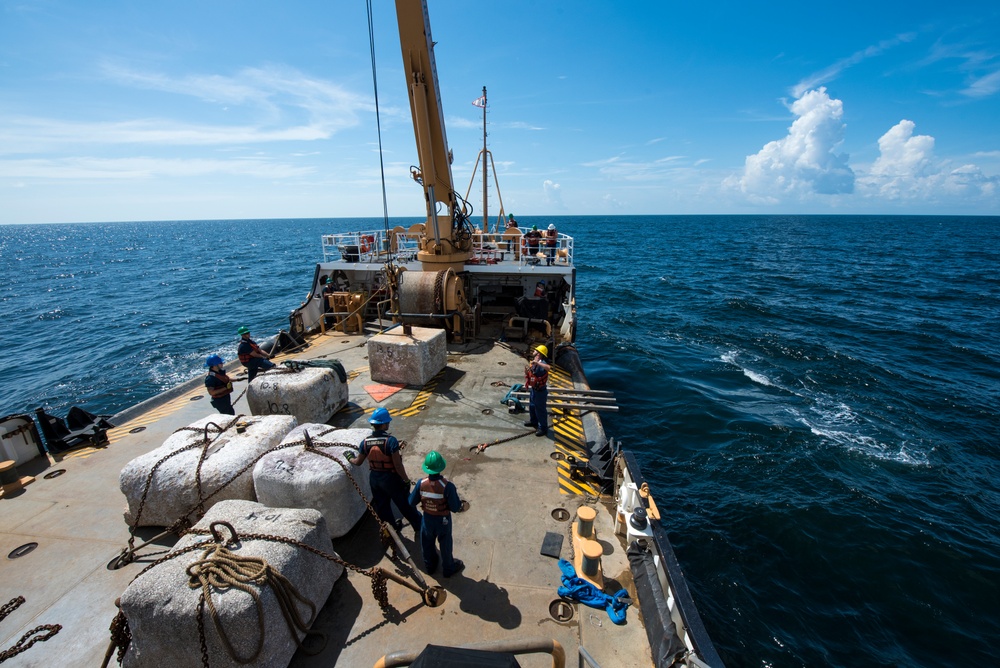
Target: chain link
column 29, row 638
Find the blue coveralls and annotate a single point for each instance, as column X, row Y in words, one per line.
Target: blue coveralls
column 537, row 398
column 436, row 526
column 387, row 486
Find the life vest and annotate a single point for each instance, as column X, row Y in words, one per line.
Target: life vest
column 223, row 391
column 378, row 458
column 536, row 377
column 245, row 357
column 550, row 237
column 432, row 500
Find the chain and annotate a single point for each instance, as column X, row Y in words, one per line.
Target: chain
column 29, row 638
column 9, row 607
column 121, row 634
column 22, row 646
column 205, row 444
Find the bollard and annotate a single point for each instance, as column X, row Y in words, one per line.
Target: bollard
column 585, row 521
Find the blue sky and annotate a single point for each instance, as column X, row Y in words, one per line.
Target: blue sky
column 181, row 110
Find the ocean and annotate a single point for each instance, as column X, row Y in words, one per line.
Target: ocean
column 815, row 398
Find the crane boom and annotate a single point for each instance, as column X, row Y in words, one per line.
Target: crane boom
column 444, row 245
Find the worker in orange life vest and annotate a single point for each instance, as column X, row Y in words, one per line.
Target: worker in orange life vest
column 551, row 240
column 536, row 377
column 250, row 354
column 219, row 386
column 386, row 472
column 438, row 498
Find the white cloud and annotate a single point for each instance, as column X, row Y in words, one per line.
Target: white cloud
column 553, row 194
column 144, row 168
column 830, row 73
column 804, row 162
column 984, row 86
column 906, row 169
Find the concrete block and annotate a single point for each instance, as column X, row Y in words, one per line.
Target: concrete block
column 395, row 357
column 312, row 394
column 162, row 610
column 173, row 491
column 297, row 478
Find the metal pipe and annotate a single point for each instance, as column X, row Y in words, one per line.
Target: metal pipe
column 523, row 646
column 586, row 658
column 581, row 397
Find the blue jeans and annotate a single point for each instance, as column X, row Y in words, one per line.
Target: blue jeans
column 256, row 365
column 387, row 489
column 224, row 405
column 536, row 407
column 437, row 527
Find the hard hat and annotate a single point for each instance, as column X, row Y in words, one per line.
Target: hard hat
column 552, row 226
column 380, row 416
column 534, row 227
column 214, row 360
column 243, row 330
column 328, row 280
column 510, row 215
column 543, row 350
column 434, row 462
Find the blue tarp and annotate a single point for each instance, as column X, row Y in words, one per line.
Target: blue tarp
column 577, row 589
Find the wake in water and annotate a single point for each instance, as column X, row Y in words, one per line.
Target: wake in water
column 830, row 418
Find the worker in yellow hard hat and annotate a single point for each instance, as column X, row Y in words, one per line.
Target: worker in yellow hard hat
column 536, row 377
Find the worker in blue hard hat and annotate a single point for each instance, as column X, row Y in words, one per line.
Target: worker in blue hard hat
column 438, row 498
column 386, row 472
column 219, row 386
column 250, row 354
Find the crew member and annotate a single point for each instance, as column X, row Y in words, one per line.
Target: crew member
column 536, row 377
column 531, row 239
column 438, row 498
column 219, row 386
column 328, row 291
column 386, row 472
column 511, row 225
column 551, row 240
column 251, row 356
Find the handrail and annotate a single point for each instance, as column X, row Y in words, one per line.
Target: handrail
column 487, row 248
column 522, row 646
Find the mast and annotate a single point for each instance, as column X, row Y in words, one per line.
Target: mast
column 486, row 214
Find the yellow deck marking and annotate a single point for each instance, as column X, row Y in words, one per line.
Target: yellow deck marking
column 423, row 396
column 152, row 416
column 569, row 440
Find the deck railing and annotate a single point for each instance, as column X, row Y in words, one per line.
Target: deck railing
column 487, row 249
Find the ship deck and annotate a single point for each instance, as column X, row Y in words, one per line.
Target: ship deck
column 513, row 488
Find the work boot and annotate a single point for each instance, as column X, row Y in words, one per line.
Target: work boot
column 459, row 567
column 541, row 432
column 529, row 423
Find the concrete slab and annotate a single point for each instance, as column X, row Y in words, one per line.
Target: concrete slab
column 413, row 359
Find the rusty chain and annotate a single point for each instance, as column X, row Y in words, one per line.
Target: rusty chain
column 40, row 633
column 120, row 632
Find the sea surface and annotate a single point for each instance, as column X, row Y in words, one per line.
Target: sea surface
column 815, row 398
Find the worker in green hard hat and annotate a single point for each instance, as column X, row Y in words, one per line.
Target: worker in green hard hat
column 438, row 498
column 250, row 354
column 536, row 379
